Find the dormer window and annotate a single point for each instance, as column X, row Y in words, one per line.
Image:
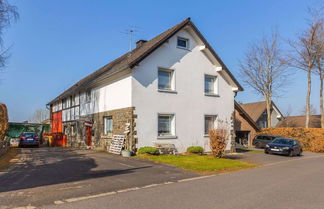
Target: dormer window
column 183, row 43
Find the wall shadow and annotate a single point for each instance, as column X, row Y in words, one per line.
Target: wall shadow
column 67, row 167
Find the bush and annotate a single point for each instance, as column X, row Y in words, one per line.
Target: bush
column 217, row 141
column 311, row 139
column 3, row 121
column 195, row 150
column 148, row 150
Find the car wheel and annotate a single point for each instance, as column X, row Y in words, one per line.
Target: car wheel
column 291, row 153
column 300, row 153
column 257, row 145
column 266, row 152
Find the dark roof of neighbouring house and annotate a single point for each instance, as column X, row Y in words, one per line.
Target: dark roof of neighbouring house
column 245, row 115
column 255, row 109
column 132, row 58
column 299, row 121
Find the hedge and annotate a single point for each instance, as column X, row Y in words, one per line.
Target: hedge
column 312, row 139
column 3, row 121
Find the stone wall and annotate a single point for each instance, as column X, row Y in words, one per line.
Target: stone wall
column 100, row 140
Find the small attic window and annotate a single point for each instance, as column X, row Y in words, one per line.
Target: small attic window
column 183, row 43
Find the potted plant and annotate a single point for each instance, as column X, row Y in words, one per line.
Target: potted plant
column 126, row 153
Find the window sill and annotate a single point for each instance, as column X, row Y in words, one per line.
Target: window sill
column 184, row 48
column 167, row 137
column 167, row 91
column 211, row 95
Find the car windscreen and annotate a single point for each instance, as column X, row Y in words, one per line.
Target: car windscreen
column 283, row 141
column 28, row 135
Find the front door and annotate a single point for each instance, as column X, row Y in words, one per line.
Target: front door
column 88, row 134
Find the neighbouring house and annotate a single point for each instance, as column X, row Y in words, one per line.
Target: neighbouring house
column 258, row 112
column 245, row 127
column 169, row 90
column 299, row 121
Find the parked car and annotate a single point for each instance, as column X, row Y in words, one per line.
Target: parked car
column 262, row 140
column 284, row 146
column 29, row 139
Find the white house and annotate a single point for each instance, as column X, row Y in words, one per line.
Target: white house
column 168, row 90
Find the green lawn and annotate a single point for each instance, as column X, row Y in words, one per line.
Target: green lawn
column 199, row 163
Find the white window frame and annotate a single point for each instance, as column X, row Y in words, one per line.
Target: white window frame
column 88, row 96
column 172, row 134
column 183, row 39
column 172, row 80
column 214, row 117
column 215, row 86
column 105, row 124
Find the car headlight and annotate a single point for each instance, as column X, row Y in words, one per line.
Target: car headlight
column 285, row 148
column 267, row 146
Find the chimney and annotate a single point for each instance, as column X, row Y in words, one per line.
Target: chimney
column 140, row 43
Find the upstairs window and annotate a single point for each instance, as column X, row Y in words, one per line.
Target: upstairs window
column 183, row 43
column 88, row 96
column 210, row 85
column 165, row 79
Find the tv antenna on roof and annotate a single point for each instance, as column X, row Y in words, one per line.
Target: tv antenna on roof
column 130, row 32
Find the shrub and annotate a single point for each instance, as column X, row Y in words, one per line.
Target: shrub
column 148, row 150
column 3, row 121
column 195, row 150
column 217, row 142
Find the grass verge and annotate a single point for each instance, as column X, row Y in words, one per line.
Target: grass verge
column 6, row 158
column 247, row 150
column 199, row 163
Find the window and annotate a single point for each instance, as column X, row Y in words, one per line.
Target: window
column 166, row 125
column 72, row 100
column 182, row 43
column 210, row 84
column 210, row 123
column 165, row 79
column 73, row 130
column 64, row 103
column 66, row 130
column 108, row 126
column 88, row 96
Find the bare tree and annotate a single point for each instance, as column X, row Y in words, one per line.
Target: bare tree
column 39, row 116
column 8, row 14
column 264, row 69
column 312, row 110
column 303, row 56
column 319, row 55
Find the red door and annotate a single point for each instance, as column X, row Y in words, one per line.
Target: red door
column 88, row 134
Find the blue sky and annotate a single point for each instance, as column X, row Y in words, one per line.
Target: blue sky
column 56, row 43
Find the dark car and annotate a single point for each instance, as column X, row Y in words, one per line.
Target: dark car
column 262, row 140
column 29, row 139
column 283, row 146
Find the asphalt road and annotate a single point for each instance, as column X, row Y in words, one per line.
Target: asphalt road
column 45, row 175
column 290, row 183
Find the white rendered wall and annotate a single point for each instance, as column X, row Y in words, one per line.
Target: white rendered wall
column 189, row 104
column 114, row 95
